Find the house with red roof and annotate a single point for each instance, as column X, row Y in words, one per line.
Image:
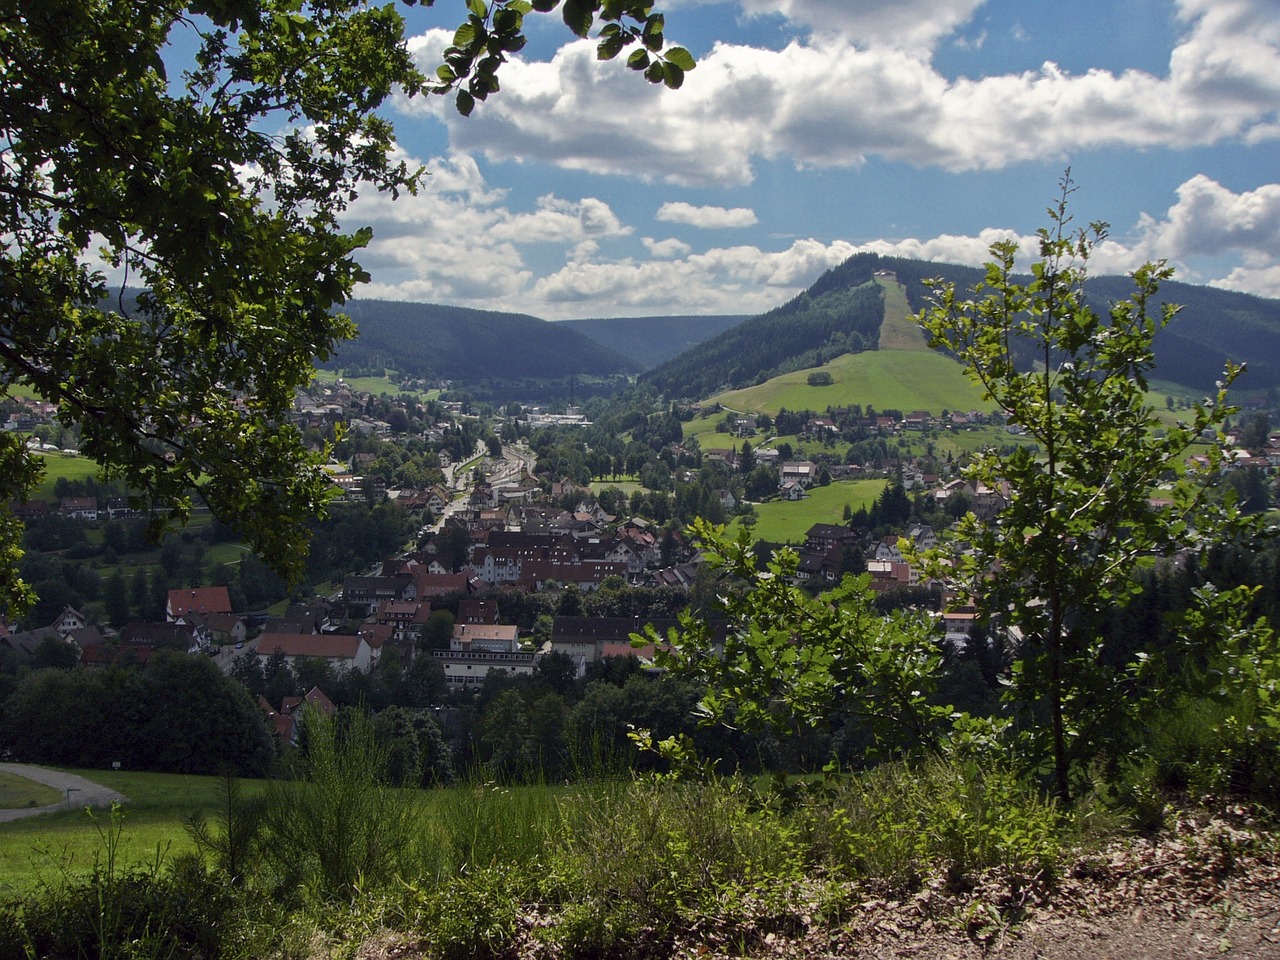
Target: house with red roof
column 202, row 600
column 341, row 650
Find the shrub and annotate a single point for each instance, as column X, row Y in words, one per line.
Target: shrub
column 344, row 828
column 899, row 821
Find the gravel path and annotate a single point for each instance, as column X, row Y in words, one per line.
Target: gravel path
column 77, row 791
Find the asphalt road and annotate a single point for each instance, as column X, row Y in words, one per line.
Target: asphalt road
column 77, row 791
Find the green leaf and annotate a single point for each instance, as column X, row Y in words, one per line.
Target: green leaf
column 681, row 58
column 465, row 103
column 478, row 7
column 464, row 36
column 578, row 16
column 639, row 59
column 610, row 47
column 672, row 76
column 544, row 6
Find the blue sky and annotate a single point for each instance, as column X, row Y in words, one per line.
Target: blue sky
column 813, row 129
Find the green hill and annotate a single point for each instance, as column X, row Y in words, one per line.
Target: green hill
column 885, row 379
column 806, row 332
column 456, row 343
column 844, row 309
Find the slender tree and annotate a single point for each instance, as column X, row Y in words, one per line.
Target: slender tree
column 1092, row 497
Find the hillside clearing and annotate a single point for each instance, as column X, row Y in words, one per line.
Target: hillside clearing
column 787, row 521
column 903, row 380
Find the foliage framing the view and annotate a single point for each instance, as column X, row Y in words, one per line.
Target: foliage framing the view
column 220, row 193
column 792, row 661
column 1082, row 509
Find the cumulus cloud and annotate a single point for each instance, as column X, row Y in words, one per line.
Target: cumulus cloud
column 459, row 241
column 711, row 218
column 850, row 93
column 1261, row 282
column 911, row 24
column 1208, row 220
column 741, row 279
column 667, row 249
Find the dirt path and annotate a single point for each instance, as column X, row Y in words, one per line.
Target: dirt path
column 77, row 791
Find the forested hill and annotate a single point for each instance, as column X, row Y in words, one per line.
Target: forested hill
column 457, row 343
column 650, row 341
column 1212, row 327
column 843, row 311
column 825, row 321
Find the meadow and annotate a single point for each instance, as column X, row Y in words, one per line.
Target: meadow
column 63, row 466
column 48, row 844
column 903, row 380
column 608, row 867
column 375, row 386
column 786, row 521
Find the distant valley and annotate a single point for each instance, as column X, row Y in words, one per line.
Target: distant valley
column 844, row 312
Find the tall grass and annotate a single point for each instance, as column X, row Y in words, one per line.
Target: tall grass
column 610, row 867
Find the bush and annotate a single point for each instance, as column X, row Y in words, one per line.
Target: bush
column 179, row 912
column 344, row 829
column 901, row 821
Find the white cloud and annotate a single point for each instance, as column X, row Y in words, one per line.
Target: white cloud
column 951, row 248
column 668, row 249
column 741, row 279
column 909, row 24
column 1208, row 220
column 1263, row 282
column 458, row 242
column 836, row 101
column 711, row 218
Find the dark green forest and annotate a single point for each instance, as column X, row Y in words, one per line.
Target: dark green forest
column 455, row 343
column 809, row 330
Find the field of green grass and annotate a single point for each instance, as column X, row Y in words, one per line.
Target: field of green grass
column 19, row 792
column 899, row 330
column 903, row 380
column 626, row 486
column 151, row 823
column 63, row 466
column 43, row 846
column 786, row 521
column 374, row 385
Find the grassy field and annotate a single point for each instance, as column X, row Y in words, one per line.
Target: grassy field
column 704, row 429
column 786, row 521
column 19, row 792
column 151, row 824
column 375, row 385
column 44, row 846
column 59, row 466
column 903, row 380
column 626, row 486
column 899, row 330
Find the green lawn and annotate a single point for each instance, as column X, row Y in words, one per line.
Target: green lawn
column 903, row 380
column 50, row 846
column 61, row 465
column 785, row 521
column 17, row 792
column 47, row 845
column 223, row 554
column 626, row 486
column 375, row 385
column 899, row 331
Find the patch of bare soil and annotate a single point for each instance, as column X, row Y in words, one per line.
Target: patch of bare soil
column 1207, row 888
